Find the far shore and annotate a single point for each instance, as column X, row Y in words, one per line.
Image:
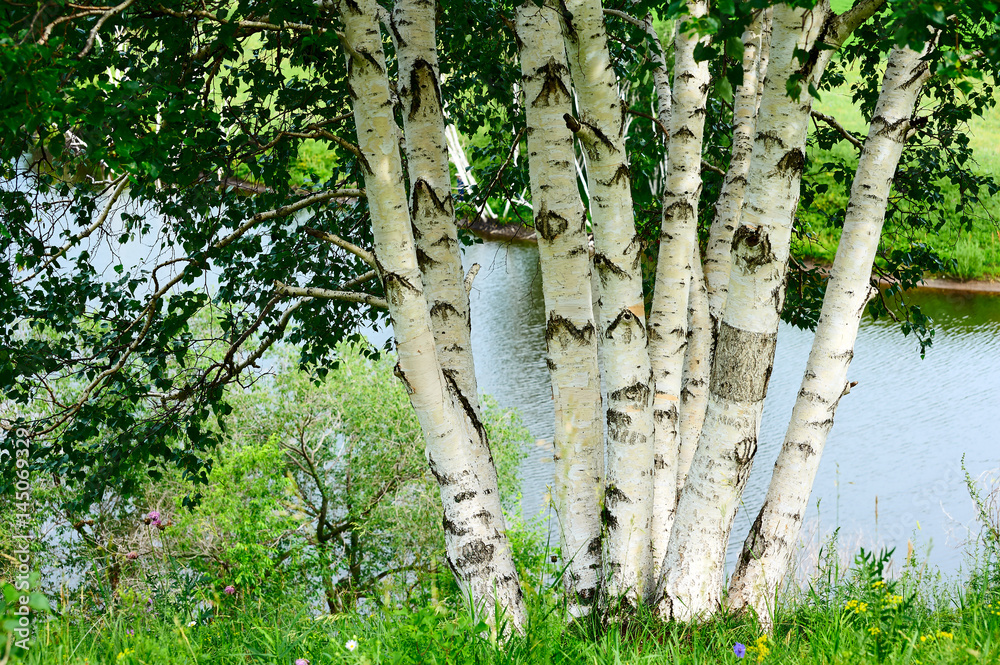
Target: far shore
column 492, row 230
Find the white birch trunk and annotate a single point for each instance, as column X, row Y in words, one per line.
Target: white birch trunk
column 477, row 547
column 769, row 546
column 697, row 366
column 678, row 238
column 627, row 374
column 432, row 208
column 730, row 203
column 571, row 335
column 691, row 585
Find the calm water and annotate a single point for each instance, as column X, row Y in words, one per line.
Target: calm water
column 892, row 469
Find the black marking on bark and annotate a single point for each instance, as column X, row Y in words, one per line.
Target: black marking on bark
column 594, row 548
column 464, row 496
column 679, row 209
column 894, row 130
column 742, row 366
column 551, row 365
column 609, row 521
column 665, row 415
column 792, row 163
column 684, row 132
column 401, row 375
column 424, row 260
column 484, row 516
column 552, row 83
column 621, row 177
column 754, row 546
column 476, row 553
column 771, row 138
column 917, row 73
column 470, row 412
column 439, row 204
column 353, row 6
column 400, row 42
column 752, row 247
column 550, row 224
column 444, row 310
column 558, row 326
column 451, row 528
column 618, row 420
column 613, row 496
column 745, row 451
column 422, row 76
column 806, row 449
column 637, row 392
column 605, row 267
column 658, row 463
column 625, row 316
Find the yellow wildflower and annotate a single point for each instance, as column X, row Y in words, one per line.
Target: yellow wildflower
column 945, row 635
column 874, row 630
column 878, row 584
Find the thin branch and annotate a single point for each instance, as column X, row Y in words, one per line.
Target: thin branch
column 360, row 279
column 122, row 183
column 329, row 294
column 333, row 239
column 656, row 121
column 117, row 9
column 286, row 210
column 705, row 166
column 830, row 120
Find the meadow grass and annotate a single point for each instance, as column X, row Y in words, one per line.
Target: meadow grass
column 861, row 618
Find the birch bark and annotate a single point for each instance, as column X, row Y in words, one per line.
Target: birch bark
column 571, row 335
column 678, row 237
column 769, row 546
column 697, row 365
column 432, row 208
column 730, row 203
column 691, row 584
column 477, row 547
column 628, row 377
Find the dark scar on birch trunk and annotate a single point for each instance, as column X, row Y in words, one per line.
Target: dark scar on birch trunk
column 442, row 205
column 476, row 553
column 608, row 520
column 792, row 163
column 558, row 326
column 605, row 266
column 621, row 177
column 613, row 495
column 752, row 247
column 464, row 496
column 550, row 224
column 420, row 74
column 444, row 310
column 637, row 392
column 451, row 528
column 449, row 376
column 552, row 84
column 424, row 260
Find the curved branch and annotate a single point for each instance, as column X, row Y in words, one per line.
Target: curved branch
column 334, row 239
column 330, row 294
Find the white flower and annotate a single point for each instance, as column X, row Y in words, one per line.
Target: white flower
column 192, row 624
column 351, row 645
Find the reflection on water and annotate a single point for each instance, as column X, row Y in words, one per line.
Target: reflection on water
column 892, row 468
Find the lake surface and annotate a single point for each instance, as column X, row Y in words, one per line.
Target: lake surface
column 892, row 469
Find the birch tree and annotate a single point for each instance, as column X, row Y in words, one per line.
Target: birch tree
column 183, row 109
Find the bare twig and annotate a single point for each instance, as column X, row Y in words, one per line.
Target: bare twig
column 334, row 239
column 330, row 294
column 830, row 120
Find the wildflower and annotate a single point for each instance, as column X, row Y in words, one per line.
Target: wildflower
column 152, row 517
column 131, row 556
column 740, row 650
column 125, row 654
column 351, row 645
column 874, row 630
column 945, row 635
column 878, row 584
column 893, row 599
column 301, row 661
column 130, row 632
column 230, row 590
column 192, row 624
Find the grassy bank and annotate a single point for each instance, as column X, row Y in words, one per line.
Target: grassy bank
column 863, row 619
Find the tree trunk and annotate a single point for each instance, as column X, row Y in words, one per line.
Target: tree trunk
column 627, row 373
column 693, row 571
column 678, row 238
column 477, row 547
column 771, row 542
column 432, row 208
column 697, row 365
column 571, row 336
column 730, row 203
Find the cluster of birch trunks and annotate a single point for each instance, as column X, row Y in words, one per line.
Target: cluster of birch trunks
column 645, row 509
